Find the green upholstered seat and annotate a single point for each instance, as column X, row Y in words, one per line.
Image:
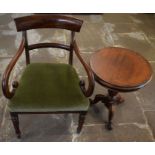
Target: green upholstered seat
column 46, row 87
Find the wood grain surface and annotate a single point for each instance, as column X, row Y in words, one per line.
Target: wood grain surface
column 120, row 68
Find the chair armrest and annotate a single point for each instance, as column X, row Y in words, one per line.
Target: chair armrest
column 5, row 80
column 91, row 82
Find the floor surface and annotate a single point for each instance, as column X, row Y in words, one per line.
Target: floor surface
column 134, row 119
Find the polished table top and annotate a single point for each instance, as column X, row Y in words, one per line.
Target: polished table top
column 121, row 69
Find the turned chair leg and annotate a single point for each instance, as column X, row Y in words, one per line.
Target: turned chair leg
column 15, row 121
column 81, row 121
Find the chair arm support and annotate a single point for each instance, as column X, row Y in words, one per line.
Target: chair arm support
column 91, row 82
column 5, row 80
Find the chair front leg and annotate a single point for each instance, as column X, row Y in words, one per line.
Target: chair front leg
column 81, row 121
column 15, row 121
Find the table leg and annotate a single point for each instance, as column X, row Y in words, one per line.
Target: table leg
column 109, row 100
column 110, row 115
column 112, row 96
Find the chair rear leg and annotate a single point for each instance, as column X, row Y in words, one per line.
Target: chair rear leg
column 15, row 121
column 81, row 121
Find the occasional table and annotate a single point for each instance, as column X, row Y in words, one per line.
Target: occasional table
column 119, row 70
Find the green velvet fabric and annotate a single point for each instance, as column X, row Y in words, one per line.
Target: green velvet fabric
column 46, row 87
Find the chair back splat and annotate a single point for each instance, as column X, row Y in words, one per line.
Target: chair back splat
column 48, row 21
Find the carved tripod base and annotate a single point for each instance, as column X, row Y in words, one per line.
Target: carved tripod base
column 109, row 100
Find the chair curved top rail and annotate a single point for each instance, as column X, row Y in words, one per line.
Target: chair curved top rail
column 48, row 21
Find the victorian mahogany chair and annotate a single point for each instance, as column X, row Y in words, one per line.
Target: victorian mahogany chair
column 47, row 87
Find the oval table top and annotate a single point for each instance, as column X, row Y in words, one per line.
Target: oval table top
column 120, row 69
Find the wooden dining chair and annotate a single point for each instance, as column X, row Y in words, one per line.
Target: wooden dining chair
column 47, row 87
